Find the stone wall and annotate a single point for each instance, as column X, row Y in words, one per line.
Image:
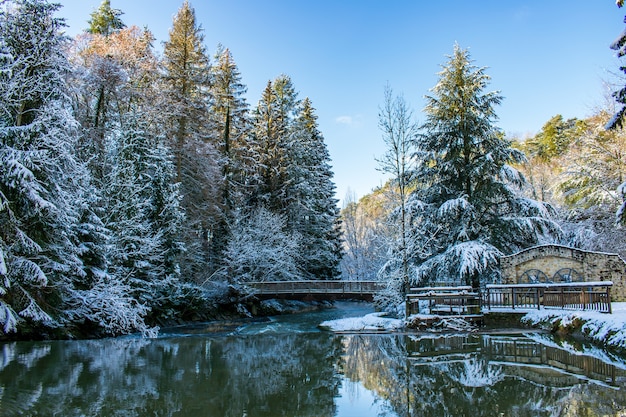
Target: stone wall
column 592, row 266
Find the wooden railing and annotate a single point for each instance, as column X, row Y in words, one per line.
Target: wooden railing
column 524, row 351
column 316, row 287
column 444, row 300
column 594, row 296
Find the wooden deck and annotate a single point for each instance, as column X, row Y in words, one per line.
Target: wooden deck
column 594, row 296
column 458, row 301
column 468, row 303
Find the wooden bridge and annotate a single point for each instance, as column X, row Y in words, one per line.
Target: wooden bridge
column 327, row 290
column 463, row 301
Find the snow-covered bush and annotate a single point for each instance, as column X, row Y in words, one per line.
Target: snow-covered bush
column 260, row 249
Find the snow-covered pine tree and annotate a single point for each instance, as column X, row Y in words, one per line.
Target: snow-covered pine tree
column 144, row 214
column 273, row 117
column 186, row 116
column 312, row 211
column 52, row 264
column 466, row 211
column 232, row 123
column 105, row 20
column 229, row 111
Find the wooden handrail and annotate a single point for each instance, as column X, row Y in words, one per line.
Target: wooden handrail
column 595, row 296
column 316, row 286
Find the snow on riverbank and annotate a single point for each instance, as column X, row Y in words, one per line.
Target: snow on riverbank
column 607, row 329
column 369, row 322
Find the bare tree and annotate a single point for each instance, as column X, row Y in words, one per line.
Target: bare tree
column 395, row 119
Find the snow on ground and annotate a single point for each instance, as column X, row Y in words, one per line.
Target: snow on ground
column 369, row 322
column 608, row 329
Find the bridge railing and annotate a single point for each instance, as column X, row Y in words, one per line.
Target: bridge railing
column 460, row 300
column 316, row 287
column 594, row 296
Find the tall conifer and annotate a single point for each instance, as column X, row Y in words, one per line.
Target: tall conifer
column 188, row 126
column 467, row 210
column 52, row 265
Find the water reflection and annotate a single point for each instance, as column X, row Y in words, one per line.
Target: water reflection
column 264, row 375
column 309, row 374
column 468, row 375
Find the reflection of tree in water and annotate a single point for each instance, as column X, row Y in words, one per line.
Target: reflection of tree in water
column 264, row 375
column 459, row 382
column 286, row 374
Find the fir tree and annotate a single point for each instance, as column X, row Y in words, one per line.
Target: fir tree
column 52, row 267
column 186, row 104
column 187, row 73
column 313, row 211
column 229, row 111
column 273, row 117
column 467, row 212
column 105, row 20
column 144, row 214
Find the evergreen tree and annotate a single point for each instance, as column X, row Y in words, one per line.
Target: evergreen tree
column 229, row 107
column 273, row 117
column 294, row 177
column 467, row 212
column 229, row 111
column 619, row 45
column 187, row 75
column 313, row 211
column 144, row 214
column 52, row 264
column 105, row 20
column 188, row 126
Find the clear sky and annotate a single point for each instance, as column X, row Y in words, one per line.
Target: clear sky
column 546, row 57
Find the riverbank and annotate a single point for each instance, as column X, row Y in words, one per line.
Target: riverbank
column 608, row 330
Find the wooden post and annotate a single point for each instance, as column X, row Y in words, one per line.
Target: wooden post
column 537, row 298
column 488, row 300
column 513, row 298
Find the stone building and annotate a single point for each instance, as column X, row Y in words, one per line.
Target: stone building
column 554, row 263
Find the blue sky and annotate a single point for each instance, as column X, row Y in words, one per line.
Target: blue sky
column 546, row 57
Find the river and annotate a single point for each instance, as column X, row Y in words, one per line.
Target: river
column 285, row 366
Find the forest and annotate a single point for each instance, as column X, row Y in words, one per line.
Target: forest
column 140, row 188
column 137, row 188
